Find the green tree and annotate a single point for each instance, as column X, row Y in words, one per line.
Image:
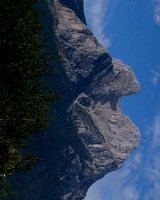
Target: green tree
column 24, row 93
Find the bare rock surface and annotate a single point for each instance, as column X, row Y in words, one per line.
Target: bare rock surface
column 90, row 136
column 107, row 135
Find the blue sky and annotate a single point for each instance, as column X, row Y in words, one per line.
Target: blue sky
column 130, row 30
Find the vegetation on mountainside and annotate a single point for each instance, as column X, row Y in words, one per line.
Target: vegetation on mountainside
column 24, row 94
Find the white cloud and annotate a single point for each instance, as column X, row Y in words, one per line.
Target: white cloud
column 156, row 77
column 131, row 193
column 140, row 176
column 98, row 16
column 156, row 131
column 157, row 12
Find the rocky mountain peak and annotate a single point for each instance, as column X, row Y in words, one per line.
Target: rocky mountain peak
column 90, row 136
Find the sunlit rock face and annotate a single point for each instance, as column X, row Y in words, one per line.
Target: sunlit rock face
column 90, row 136
column 108, row 136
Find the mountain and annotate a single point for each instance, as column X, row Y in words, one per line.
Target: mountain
column 90, row 136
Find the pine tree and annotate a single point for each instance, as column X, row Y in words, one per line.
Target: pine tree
column 24, row 92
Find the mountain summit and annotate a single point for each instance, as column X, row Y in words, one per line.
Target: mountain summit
column 90, row 135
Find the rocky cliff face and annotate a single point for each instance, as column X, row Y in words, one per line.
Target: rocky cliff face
column 90, row 136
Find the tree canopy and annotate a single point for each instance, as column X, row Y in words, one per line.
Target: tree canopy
column 24, row 93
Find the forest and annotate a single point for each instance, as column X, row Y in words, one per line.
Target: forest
column 25, row 95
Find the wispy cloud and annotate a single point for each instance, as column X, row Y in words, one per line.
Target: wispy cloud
column 156, row 131
column 140, row 176
column 98, row 15
column 156, row 76
column 157, row 12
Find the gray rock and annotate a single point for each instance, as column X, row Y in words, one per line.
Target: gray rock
column 77, row 45
column 108, row 136
column 90, row 136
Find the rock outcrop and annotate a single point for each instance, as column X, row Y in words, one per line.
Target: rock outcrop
column 90, row 136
